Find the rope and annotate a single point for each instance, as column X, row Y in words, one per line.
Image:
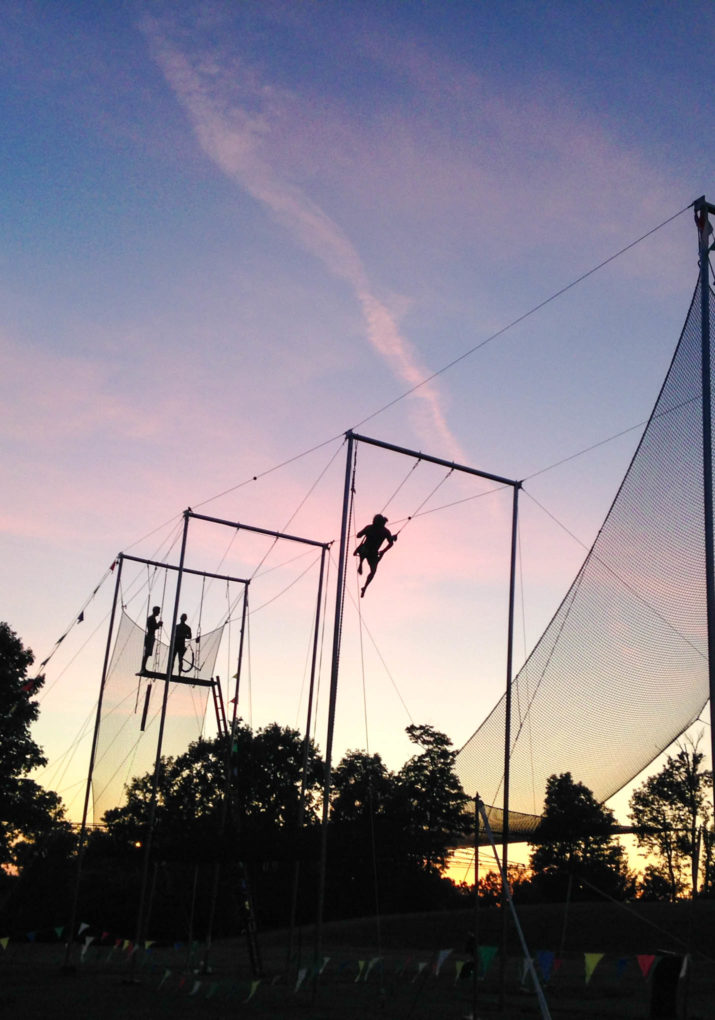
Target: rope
column 427, row 498
column 409, row 472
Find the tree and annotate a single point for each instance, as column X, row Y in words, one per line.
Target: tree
column 29, row 812
column 266, row 769
column 362, row 785
column 431, row 802
column 574, row 845
column 670, row 814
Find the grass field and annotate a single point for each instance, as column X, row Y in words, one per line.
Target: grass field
column 387, row 973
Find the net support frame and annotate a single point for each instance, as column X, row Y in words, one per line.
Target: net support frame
column 703, row 210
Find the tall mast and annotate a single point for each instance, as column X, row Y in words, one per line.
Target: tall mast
column 703, row 210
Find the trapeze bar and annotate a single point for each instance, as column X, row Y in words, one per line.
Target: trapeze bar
column 183, row 679
column 434, row 460
column 186, row 570
column 258, row 531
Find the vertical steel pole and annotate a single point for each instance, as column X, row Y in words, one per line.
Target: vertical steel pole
column 90, row 772
column 337, row 634
column 475, row 933
column 157, row 763
column 306, row 752
column 226, row 792
column 702, row 209
column 507, row 742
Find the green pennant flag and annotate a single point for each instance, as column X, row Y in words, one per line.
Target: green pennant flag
column 59, row 930
column 592, row 961
column 485, row 954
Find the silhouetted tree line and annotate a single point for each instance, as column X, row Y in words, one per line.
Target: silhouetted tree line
column 246, row 810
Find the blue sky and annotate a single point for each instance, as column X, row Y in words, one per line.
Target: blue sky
column 231, row 232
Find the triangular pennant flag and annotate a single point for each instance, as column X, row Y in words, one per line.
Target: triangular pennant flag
column 61, row 639
column 80, row 618
column 83, row 927
column 4, row 941
column 194, row 990
column 326, row 961
column 301, row 975
column 645, row 962
column 361, row 968
column 167, row 975
column 592, row 961
column 486, row 954
column 545, row 959
column 459, row 966
column 420, row 968
column 441, row 957
column 148, row 944
column 88, row 940
column 375, row 960
column 59, row 930
column 254, row 986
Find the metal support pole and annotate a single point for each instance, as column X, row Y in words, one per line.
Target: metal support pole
column 703, row 210
column 507, row 744
column 475, row 933
column 157, row 763
column 226, row 791
column 337, row 634
column 90, row 772
column 306, row 752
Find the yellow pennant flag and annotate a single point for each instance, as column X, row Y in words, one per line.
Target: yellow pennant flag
column 592, row 961
column 4, row 942
column 361, row 968
column 254, row 986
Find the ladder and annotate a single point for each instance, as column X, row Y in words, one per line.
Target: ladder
column 219, row 707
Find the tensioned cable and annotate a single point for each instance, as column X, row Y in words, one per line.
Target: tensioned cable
column 521, row 318
column 455, row 361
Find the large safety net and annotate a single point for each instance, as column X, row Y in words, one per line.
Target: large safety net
column 125, row 750
column 621, row 670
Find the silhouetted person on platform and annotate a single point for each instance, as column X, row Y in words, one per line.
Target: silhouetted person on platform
column 152, row 625
column 373, row 535
column 182, row 634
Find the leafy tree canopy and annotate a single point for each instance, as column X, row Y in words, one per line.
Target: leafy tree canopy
column 574, row 840
column 671, row 814
column 28, row 811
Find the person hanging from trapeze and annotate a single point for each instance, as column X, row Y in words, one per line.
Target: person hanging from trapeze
column 153, row 624
column 182, row 634
column 373, row 535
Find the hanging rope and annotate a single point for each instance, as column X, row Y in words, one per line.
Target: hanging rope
column 426, row 500
column 404, row 480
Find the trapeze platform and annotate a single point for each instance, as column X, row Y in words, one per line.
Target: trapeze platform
column 183, row 678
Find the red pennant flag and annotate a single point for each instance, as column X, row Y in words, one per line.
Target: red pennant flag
column 645, row 962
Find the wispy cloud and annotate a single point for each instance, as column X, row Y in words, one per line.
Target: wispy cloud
column 231, row 132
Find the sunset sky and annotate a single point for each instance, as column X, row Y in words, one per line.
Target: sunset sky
column 232, row 231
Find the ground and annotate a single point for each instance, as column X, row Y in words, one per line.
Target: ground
column 390, row 973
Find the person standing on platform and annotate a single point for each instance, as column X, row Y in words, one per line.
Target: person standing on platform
column 153, row 624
